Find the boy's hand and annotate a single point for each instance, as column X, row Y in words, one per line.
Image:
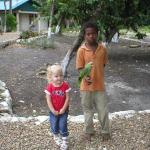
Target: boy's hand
column 62, row 111
column 88, row 79
column 90, row 63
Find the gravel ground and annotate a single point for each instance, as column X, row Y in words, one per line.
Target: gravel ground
column 127, row 84
column 127, row 134
column 9, row 36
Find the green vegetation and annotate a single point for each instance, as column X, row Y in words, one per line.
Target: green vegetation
column 110, row 15
column 42, row 42
column 145, row 29
column 1, row 96
column 84, row 73
column 32, row 39
column 75, row 28
column 28, row 34
column 10, row 22
column 143, row 32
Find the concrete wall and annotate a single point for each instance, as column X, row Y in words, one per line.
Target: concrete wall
column 24, row 22
column 43, row 24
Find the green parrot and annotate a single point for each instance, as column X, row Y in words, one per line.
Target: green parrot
column 84, row 72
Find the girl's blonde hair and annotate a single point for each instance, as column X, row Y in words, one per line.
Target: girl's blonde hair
column 52, row 69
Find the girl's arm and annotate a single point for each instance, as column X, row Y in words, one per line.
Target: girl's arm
column 49, row 103
column 66, row 104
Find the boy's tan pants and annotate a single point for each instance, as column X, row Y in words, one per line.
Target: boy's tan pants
column 91, row 101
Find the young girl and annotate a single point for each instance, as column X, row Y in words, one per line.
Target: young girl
column 57, row 96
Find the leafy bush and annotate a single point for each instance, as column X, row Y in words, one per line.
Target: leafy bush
column 11, row 22
column 140, row 35
column 28, row 34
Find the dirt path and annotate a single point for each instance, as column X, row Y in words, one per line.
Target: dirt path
column 127, row 77
column 9, row 36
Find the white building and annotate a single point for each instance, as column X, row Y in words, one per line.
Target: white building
column 27, row 16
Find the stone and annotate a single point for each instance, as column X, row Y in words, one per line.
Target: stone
column 5, row 99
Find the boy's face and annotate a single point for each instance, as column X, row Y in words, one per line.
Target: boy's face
column 90, row 35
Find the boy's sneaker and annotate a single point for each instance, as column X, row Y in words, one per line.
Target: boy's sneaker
column 106, row 137
column 86, row 137
column 57, row 140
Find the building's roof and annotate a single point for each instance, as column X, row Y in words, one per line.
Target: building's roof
column 15, row 4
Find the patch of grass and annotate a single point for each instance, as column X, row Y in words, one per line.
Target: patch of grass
column 145, row 29
column 1, row 91
column 1, row 97
column 72, row 29
column 42, row 42
column 123, row 31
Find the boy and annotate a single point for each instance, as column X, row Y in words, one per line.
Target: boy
column 92, row 88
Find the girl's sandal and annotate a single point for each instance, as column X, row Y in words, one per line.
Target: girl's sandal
column 64, row 145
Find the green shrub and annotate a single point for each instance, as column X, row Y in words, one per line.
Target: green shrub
column 28, row 34
column 11, row 22
column 140, row 35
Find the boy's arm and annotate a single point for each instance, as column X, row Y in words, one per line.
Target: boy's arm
column 49, row 103
column 66, row 104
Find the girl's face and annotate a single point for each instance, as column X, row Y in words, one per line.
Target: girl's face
column 57, row 78
column 90, row 35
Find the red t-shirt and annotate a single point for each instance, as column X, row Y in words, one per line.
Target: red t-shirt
column 57, row 94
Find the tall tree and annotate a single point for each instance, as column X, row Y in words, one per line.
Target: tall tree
column 110, row 15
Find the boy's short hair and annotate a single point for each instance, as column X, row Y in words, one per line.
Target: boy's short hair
column 89, row 24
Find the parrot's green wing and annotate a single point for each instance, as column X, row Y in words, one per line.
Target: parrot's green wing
column 85, row 72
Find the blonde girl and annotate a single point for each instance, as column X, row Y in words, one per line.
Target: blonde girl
column 57, row 96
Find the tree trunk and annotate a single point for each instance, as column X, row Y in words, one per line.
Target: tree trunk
column 58, row 27
column 109, row 34
column 5, row 16
column 10, row 6
column 71, row 52
column 51, row 17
